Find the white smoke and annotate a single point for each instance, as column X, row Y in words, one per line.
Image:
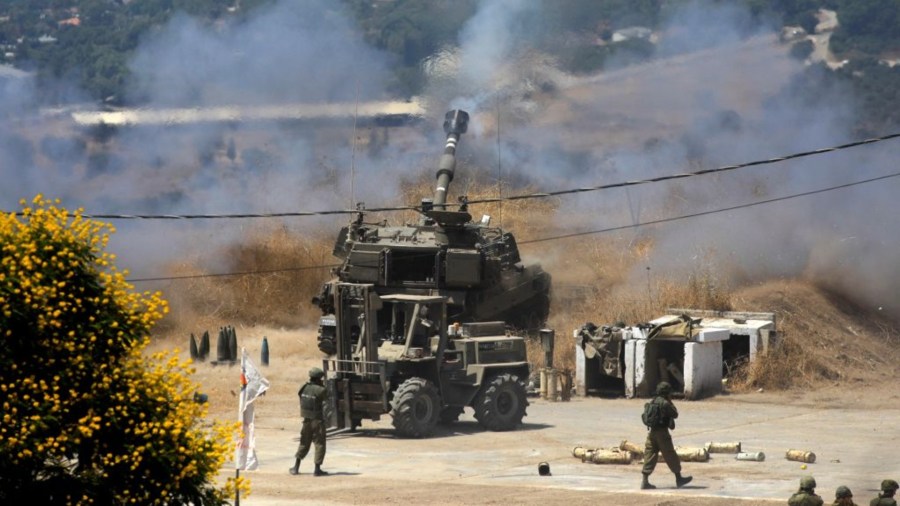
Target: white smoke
column 713, row 96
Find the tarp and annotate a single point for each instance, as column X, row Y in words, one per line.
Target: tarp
column 684, row 326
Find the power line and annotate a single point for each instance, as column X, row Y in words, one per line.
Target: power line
column 528, row 196
column 713, row 211
column 226, row 274
column 566, row 236
column 693, row 174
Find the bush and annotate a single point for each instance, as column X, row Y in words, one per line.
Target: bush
column 87, row 418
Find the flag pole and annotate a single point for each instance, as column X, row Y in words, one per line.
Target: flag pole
column 253, row 385
column 237, row 463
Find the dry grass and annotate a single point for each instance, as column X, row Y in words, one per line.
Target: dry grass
column 825, row 339
column 278, row 293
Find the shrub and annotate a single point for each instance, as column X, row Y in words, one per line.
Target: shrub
column 87, row 417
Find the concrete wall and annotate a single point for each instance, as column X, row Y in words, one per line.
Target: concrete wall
column 635, row 368
column 580, row 387
column 702, row 369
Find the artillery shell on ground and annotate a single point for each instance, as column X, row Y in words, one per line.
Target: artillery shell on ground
column 613, row 456
column 602, row 456
column 632, row 447
column 684, row 454
column 800, row 456
column 692, row 454
column 734, row 447
column 752, row 456
column 579, row 451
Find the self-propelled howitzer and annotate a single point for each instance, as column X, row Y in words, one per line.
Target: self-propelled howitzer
column 476, row 267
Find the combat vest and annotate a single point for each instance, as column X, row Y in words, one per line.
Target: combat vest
column 656, row 415
column 805, row 498
column 311, row 398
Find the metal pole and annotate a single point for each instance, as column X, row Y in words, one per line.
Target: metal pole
column 237, row 463
column 237, row 490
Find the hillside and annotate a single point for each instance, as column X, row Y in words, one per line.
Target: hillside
column 827, row 340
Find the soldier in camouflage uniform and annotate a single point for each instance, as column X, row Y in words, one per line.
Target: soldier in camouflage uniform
column 886, row 497
column 659, row 439
column 312, row 408
column 806, row 496
column 843, row 497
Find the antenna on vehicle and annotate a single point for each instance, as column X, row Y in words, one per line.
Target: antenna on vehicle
column 353, row 149
column 499, row 169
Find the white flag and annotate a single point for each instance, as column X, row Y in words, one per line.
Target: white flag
column 253, row 385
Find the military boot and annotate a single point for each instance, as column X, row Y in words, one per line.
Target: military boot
column 681, row 481
column 319, row 471
column 645, row 483
column 296, row 469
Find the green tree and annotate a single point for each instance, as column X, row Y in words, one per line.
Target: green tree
column 87, row 417
column 867, row 26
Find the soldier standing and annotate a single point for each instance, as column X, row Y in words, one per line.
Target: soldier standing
column 312, row 404
column 843, row 497
column 886, row 497
column 806, row 496
column 659, row 416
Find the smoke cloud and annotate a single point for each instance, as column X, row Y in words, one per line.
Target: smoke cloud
column 716, row 95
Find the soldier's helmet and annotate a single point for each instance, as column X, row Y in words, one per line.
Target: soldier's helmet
column 842, row 492
column 807, row 483
column 888, row 485
column 663, row 388
column 315, row 373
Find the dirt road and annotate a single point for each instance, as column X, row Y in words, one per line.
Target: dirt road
column 855, row 446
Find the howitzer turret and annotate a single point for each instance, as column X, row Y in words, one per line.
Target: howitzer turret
column 475, row 266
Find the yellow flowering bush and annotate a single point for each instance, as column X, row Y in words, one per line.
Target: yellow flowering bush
column 87, row 417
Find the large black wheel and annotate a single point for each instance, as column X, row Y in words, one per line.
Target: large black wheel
column 450, row 414
column 415, row 407
column 500, row 404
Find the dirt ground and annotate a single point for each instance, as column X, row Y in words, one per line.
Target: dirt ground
column 853, row 431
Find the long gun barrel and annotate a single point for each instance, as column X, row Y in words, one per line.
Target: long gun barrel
column 455, row 124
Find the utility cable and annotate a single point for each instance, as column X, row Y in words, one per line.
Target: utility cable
column 691, row 174
column 527, row 196
column 564, row 236
column 705, row 213
column 225, row 274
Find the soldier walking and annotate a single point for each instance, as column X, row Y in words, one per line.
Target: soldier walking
column 312, row 402
column 886, row 496
column 659, row 416
column 843, row 497
column 806, row 496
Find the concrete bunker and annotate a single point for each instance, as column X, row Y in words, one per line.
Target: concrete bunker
column 693, row 350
